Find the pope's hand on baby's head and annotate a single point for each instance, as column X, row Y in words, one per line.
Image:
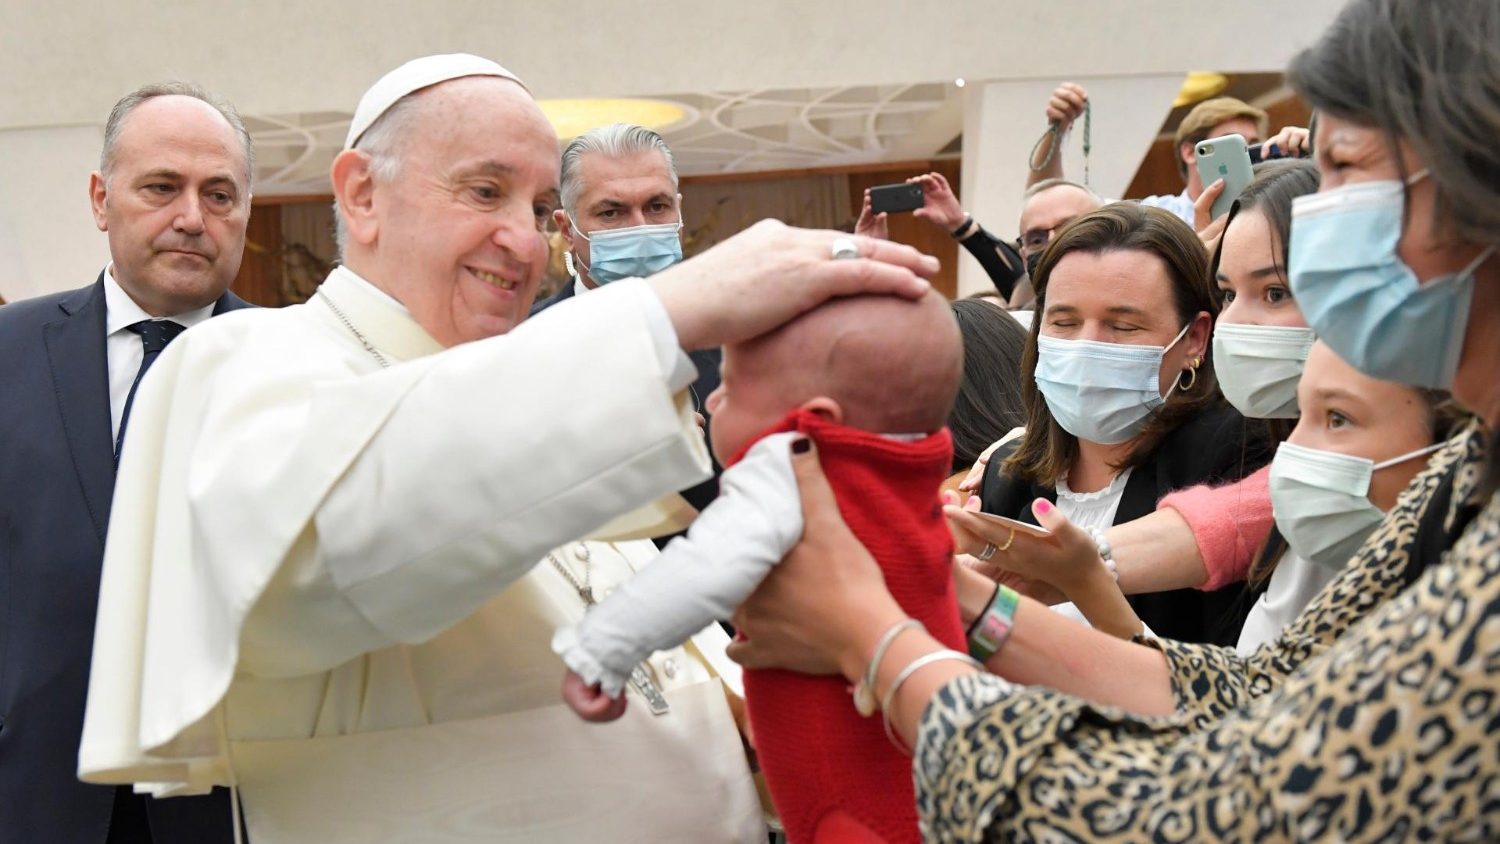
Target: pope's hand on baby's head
column 877, row 363
column 589, row 702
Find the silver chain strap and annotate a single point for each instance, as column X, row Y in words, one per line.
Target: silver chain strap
column 379, row 358
column 585, row 589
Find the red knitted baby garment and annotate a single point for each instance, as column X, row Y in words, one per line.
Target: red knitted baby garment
column 819, row 756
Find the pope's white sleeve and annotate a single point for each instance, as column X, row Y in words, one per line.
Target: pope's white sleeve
column 464, row 468
column 700, row 577
column 673, row 359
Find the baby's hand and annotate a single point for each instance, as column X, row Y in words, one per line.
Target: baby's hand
column 588, row 702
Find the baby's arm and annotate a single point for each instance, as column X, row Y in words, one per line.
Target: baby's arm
column 699, row 578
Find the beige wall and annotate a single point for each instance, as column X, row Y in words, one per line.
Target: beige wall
column 48, row 241
column 1008, row 118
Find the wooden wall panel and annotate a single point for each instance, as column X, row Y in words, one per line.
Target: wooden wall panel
column 905, row 228
column 259, row 280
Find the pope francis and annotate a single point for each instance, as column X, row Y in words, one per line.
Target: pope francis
column 321, row 508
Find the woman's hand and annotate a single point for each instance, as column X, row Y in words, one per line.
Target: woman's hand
column 822, row 610
column 972, row 480
column 1209, row 228
column 1066, row 559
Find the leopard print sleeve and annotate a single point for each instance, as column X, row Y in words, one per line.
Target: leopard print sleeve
column 1387, row 734
column 1209, row 681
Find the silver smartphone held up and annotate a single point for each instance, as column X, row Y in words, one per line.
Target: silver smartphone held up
column 1225, row 158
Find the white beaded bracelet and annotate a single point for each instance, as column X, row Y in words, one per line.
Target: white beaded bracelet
column 1106, row 553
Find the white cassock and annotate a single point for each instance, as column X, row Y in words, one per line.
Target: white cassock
column 305, row 585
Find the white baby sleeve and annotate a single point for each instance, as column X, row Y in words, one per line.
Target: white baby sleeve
column 700, row 577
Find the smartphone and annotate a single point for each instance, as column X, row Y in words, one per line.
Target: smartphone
column 1257, row 157
column 899, row 197
column 1225, row 158
column 1020, row 527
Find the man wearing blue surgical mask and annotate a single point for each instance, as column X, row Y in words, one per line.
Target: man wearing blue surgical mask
column 621, row 214
column 621, row 217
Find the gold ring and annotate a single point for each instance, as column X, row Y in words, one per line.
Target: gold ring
column 1009, row 540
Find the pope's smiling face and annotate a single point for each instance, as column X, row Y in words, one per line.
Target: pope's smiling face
column 459, row 226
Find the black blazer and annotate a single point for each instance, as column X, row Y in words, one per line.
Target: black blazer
column 1216, row 446
column 56, row 477
column 707, row 361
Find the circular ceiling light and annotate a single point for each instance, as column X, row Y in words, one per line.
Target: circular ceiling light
column 571, row 118
column 1200, row 85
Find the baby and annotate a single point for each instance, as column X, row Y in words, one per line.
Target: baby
column 871, row 381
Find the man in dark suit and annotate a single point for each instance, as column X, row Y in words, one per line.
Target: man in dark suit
column 173, row 194
column 619, row 180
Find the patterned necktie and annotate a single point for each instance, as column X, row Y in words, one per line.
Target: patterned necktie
column 155, row 335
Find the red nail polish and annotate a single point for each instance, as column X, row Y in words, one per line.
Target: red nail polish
column 1043, row 505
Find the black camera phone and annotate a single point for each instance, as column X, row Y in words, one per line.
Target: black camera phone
column 905, row 196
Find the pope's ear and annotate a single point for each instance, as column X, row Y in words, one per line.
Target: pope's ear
column 354, row 189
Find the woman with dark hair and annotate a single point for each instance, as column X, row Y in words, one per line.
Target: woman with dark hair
column 1376, row 720
column 989, row 398
column 1122, row 406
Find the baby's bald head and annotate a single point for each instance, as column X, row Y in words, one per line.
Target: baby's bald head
column 892, row 366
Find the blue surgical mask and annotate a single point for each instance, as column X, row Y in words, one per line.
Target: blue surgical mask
column 1361, row 299
column 1101, row 392
column 1259, row 367
column 1321, row 500
column 634, row 252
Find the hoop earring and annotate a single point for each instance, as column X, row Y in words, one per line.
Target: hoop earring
column 1192, row 373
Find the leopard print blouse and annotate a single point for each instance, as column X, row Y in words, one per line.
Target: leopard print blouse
column 1385, row 733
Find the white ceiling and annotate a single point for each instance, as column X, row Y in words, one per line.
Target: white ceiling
column 747, row 131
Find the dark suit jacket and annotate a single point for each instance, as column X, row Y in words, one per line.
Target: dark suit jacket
column 707, row 361
column 56, row 478
column 1216, row 446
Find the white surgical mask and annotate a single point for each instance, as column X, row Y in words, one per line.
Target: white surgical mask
column 1101, row 392
column 1259, row 366
column 1321, row 500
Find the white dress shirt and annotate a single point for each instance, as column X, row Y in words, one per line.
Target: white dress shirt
column 1180, row 204
column 1089, row 510
column 122, row 347
column 1293, row 585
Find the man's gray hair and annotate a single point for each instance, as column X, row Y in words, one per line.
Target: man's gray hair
column 614, row 140
column 128, row 103
column 384, row 142
column 1049, row 184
